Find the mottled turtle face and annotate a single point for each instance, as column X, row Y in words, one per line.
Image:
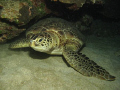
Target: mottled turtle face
column 41, row 42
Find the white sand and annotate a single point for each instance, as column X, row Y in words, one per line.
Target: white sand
column 26, row 69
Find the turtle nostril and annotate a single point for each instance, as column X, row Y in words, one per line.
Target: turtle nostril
column 31, row 41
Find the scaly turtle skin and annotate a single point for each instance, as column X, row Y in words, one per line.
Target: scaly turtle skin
column 59, row 37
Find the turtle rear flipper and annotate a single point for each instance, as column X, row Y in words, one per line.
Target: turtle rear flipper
column 20, row 43
column 84, row 65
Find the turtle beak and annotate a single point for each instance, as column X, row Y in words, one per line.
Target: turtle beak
column 32, row 43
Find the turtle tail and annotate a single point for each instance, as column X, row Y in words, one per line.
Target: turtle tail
column 20, row 43
column 85, row 66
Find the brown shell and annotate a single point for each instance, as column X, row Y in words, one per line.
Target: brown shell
column 63, row 28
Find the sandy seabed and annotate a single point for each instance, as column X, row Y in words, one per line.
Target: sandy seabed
column 26, row 69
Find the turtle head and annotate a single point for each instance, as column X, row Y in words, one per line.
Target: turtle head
column 41, row 42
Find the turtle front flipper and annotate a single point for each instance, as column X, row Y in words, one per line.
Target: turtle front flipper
column 84, row 65
column 20, row 43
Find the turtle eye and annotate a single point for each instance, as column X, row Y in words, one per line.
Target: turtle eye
column 40, row 39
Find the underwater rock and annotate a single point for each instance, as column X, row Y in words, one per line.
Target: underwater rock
column 21, row 11
column 78, row 2
column 18, row 12
column 81, row 2
column 8, row 31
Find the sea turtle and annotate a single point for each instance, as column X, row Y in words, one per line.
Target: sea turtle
column 60, row 37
